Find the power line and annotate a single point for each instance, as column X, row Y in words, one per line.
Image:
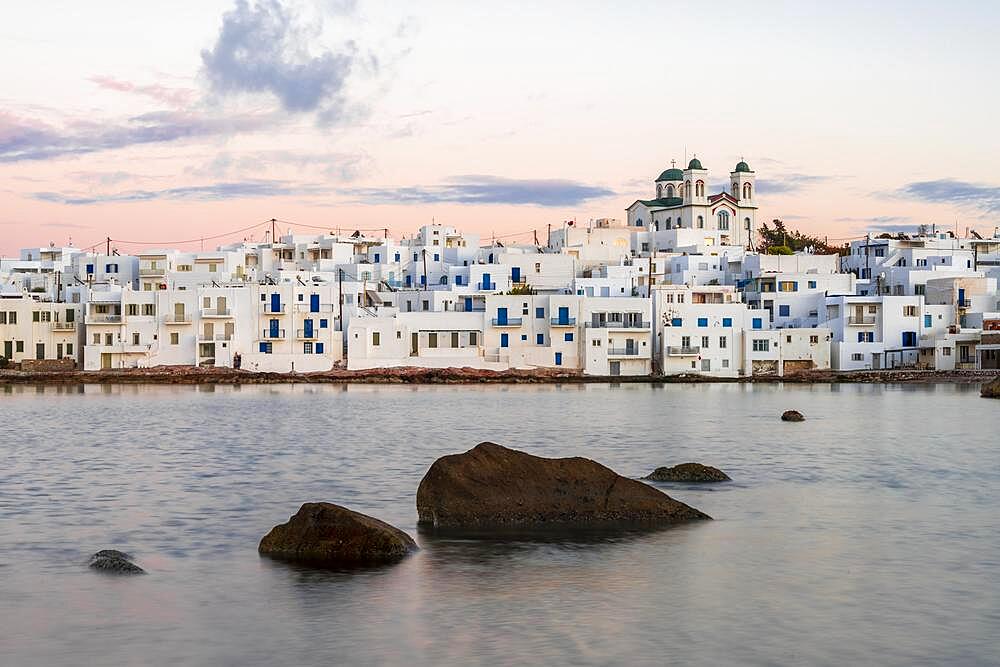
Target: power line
column 201, row 238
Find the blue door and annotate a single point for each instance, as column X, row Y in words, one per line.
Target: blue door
column 515, row 274
column 961, row 296
column 501, row 316
column 275, row 303
column 558, row 358
column 504, row 340
column 307, row 326
column 486, row 281
column 409, row 280
column 314, row 303
column 274, row 329
column 319, row 348
column 468, row 304
column 563, row 315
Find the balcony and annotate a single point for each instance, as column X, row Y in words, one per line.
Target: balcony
column 151, row 272
column 965, row 303
column 509, row 322
column 178, row 319
column 268, row 310
column 631, row 325
column 215, row 338
column 272, row 334
column 563, row 322
column 210, row 313
column 486, row 286
column 623, row 352
column 101, row 318
column 861, row 320
column 683, row 351
column 311, row 334
column 64, row 326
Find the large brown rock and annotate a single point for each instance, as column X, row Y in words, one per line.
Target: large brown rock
column 792, row 416
column 688, row 472
column 328, row 533
column 491, row 486
column 991, row 389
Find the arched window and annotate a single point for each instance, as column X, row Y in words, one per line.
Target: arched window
column 747, row 190
column 701, row 222
column 699, row 189
column 687, row 187
column 746, row 222
column 736, row 191
column 724, row 221
column 659, row 191
column 670, row 191
column 669, row 220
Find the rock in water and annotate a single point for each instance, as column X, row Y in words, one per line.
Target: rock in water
column 688, row 472
column 114, row 562
column 491, row 486
column 991, row 389
column 792, row 416
column 324, row 533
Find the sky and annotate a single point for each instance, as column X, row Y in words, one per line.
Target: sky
column 196, row 121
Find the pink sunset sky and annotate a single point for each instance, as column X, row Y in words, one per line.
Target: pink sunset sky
column 161, row 122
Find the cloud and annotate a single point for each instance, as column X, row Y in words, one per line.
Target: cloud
column 341, row 167
column 487, row 190
column 959, row 193
column 264, row 48
column 788, row 183
column 254, row 189
column 23, row 139
column 174, row 97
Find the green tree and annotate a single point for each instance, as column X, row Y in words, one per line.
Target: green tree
column 778, row 236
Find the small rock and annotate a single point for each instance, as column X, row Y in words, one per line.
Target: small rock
column 688, row 472
column 991, row 389
column 324, row 533
column 495, row 487
column 114, row 562
column 792, row 416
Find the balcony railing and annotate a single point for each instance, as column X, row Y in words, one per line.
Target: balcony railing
column 486, row 286
column 153, row 272
column 508, row 322
column 215, row 338
column 633, row 324
column 623, row 351
column 563, row 322
column 178, row 319
column 271, row 334
column 268, row 310
column 861, row 320
column 304, row 334
column 64, row 326
column 683, row 351
column 216, row 312
column 104, row 319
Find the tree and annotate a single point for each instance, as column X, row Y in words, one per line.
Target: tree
column 778, row 236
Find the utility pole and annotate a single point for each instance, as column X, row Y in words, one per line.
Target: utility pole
column 274, row 238
column 340, row 300
column 549, row 238
column 535, row 232
column 108, row 251
column 424, row 252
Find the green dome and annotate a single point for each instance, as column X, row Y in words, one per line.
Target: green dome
column 742, row 166
column 671, row 175
column 695, row 163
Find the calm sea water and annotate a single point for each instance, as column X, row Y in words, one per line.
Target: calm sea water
column 870, row 534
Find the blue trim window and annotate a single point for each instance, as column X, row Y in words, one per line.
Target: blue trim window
column 727, row 321
column 265, row 348
column 437, row 257
column 758, row 323
column 324, row 324
column 703, row 321
column 928, row 321
column 319, row 348
column 784, row 311
column 397, row 256
column 524, row 336
column 504, row 340
column 540, row 339
column 540, row 313
column 676, row 322
column 812, row 284
column 558, row 358
column 378, row 258
column 568, row 337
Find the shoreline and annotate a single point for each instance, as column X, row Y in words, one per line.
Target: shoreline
column 436, row 376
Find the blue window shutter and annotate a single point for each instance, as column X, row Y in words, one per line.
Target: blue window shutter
column 676, row 322
column 436, row 257
column 757, row 323
column 504, row 340
column 727, row 321
column 540, row 339
column 319, row 348
column 784, row 311
column 928, row 321
column 569, row 337
column 90, row 268
column 539, row 313
column 812, row 284
column 703, row 321
column 558, row 358
column 378, row 258
column 323, row 324
column 861, row 336
column 263, row 347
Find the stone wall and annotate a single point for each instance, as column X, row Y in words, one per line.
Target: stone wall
column 48, row 365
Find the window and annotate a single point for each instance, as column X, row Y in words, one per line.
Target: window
column 307, row 347
column 540, row 339
column 812, row 284
column 524, row 337
column 761, row 345
column 97, row 339
column 473, row 337
column 376, row 338
column 788, row 286
column 568, row 337
column 504, row 340
column 69, row 348
column 788, row 339
column 813, row 340
column 704, row 341
column 758, row 323
column 135, row 338
column 872, row 309
column 723, row 342
column 784, row 311
column 175, row 338
column 928, row 321
column 149, row 309
column 538, row 267
column 946, row 351
column 596, row 342
column 540, row 313
column 265, row 348
column 324, row 324
column 724, row 221
column 437, row 257
column 19, row 346
column 727, row 321
column 909, row 311
column 702, row 321
column 432, row 340
column 725, row 363
column 701, row 222
column 676, row 322
column 857, row 356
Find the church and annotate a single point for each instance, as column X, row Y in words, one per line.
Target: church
column 726, row 218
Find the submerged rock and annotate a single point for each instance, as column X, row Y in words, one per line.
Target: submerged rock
column 114, row 562
column 324, row 533
column 688, row 472
column 792, row 416
column 491, row 486
column 991, row 389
